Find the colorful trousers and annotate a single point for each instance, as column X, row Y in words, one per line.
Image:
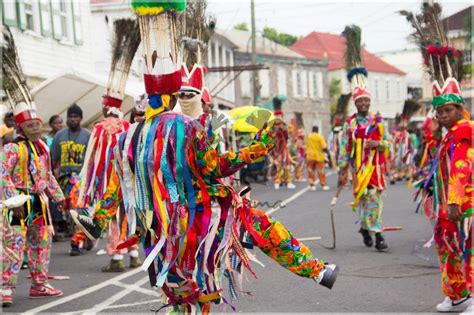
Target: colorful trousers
column 114, row 238
column 38, row 251
column 283, row 172
column 299, row 170
column 456, row 265
column 284, row 248
column 370, row 210
column 69, row 184
column 313, row 168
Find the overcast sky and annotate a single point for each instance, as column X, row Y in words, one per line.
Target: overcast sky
column 383, row 29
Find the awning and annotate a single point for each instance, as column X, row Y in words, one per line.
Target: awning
column 54, row 95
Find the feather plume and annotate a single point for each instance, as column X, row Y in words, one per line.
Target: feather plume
column 410, row 108
column 441, row 61
column 352, row 56
column 125, row 42
column 199, row 27
column 14, row 82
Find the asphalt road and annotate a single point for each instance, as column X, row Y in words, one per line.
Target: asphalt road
column 403, row 279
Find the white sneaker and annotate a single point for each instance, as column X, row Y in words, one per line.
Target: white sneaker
column 326, row 188
column 453, row 306
column 291, row 186
column 312, row 188
column 277, row 186
column 469, row 310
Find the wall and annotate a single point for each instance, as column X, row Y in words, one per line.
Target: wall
column 43, row 56
column 220, row 54
column 289, row 77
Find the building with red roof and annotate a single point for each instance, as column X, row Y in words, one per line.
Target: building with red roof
column 386, row 82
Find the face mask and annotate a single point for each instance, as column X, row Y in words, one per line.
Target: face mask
column 31, row 129
column 191, row 106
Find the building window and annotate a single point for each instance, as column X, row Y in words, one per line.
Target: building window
column 281, row 77
column 29, row 15
column 63, row 12
column 376, row 86
column 387, row 90
column 399, row 91
column 264, row 80
column 245, row 83
column 313, row 84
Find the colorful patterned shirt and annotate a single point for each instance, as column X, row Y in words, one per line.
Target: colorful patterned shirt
column 26, row 166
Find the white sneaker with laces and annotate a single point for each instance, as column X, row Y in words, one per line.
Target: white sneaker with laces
column 326, row 188
column 277, row 186
column 291, row 186
column 449, row 305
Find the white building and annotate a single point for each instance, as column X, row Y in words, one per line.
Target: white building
column 387, row 84
column 51, row 36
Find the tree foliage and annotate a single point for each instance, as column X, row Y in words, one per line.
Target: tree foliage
column 241, row 27
column 280, row 38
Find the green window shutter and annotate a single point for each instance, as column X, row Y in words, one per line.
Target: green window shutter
column 76, row 19
column 45, row 15
column 56, row 18
column 21, row 14
column 9, row 9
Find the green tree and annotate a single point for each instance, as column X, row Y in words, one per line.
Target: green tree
column 280, row 38
column 241, row 26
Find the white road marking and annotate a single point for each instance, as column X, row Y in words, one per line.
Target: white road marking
column 313, row 238
column 79, row 294
column 132, row 287
column 131, row 304
column 294, row 196
column 114, row 298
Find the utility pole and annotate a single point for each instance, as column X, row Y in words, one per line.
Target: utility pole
column 254, row 54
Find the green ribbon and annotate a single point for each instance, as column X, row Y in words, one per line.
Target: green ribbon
column 447, row 98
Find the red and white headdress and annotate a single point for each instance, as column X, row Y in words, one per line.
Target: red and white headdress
column 206, row 97
column 192, row 79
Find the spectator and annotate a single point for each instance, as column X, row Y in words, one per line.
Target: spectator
column 56, row 124
column 68, row 153
column 8, row 129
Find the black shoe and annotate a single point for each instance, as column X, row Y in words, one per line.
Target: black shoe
column 367, row 238
column 380, row 242
column 328, row 276
column 88, row 244
column 75, row 251
column 88, row 225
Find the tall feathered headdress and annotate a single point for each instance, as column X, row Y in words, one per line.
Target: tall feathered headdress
column 125, row 42
column 442, row 62
column 356, row 73
column 14, row 82
column 158, row 20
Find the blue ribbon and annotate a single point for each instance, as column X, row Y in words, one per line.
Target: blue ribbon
column 172, row 189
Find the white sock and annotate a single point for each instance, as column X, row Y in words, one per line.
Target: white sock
column 117, row 257
column 133, row 253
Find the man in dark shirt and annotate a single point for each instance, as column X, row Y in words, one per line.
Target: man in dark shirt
column 68, row 153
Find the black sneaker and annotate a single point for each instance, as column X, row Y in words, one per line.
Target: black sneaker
column 367, row 238
column 75, row 251
column 380, row 242
column 328, row 276
column 88, row 225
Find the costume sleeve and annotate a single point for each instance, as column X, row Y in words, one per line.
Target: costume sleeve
column 343, row 158
column 211, row 163
column 109, row 203
column 8, row 159
column 53, row 187
column 460, row 180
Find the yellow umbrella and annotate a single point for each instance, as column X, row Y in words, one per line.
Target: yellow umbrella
column 250, row 118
